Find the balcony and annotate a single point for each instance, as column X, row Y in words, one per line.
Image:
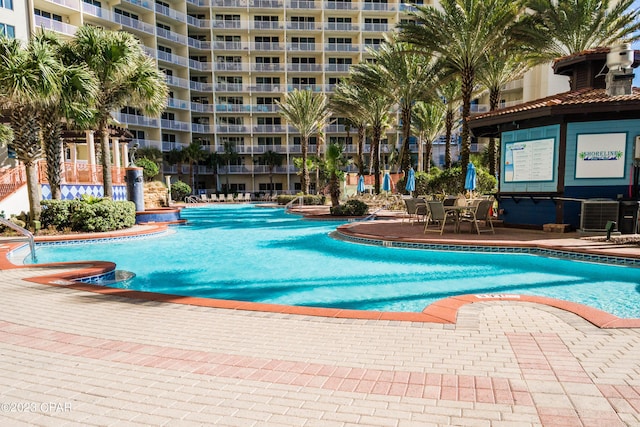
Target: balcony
column 171, row 58
column 267, row 25
column 56, row 26
column 267, row 67
column 170, row 35
column 202, row 108
column 229, row 87
column 305, row 47
column 70, row 4
column 231, row 66
column 177, row 82
column 266, row 4
column 234, row 169
column 380, row 28
column 201, row 86
column 267, row 46
column 305, row 26
column 261, row 149
column 170, row 13
column 198, row 23
column 231, row 129
column 230, row 3
column 178, row 103
column 305, row 68
column 89, row 9
column 199, row 128
column 341, row 5
column 378, row 6
column 200, row 66
column 229, row 24
column 341, row 47
column 269, row 129
column 265, row 88
column 337, row 68
column 335, row 128
column 265, row 108
column 235, row 108
column 175, row 125
column 147, row 143
column 199, row 44
column 199, row 3
column 340, row 26
column 132, row 119
column 313, row 88
column 133, row 23
column 301, row 4
column 230, row 46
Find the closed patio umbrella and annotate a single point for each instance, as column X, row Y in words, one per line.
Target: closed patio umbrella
column 386, row 182
column 470, row 179
column 360, row 187
column 411, row 181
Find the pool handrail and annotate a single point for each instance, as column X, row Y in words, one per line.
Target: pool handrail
column 289, row 205
column 24, row 232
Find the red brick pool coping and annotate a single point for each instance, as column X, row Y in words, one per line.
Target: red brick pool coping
column 443, row 311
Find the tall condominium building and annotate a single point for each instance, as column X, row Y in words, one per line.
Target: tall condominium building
column 228, row 63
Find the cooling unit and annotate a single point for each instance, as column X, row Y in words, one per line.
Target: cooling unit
column 596, row 212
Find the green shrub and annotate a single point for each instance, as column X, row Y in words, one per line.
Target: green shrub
column 350, row 208
column 55, row 213
column 180, row 190
column 149, row 168
column 88, row 214
column 309, row 199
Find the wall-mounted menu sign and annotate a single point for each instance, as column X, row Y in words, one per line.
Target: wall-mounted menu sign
column 529, row 160
column 601, row 155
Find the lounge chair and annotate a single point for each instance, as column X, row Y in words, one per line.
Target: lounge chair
column 230, row 197
column 436, row 216
column 480, row 214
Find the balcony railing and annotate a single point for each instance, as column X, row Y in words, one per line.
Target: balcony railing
column 170, row 13
column 177, row 81
column 265, row 108
column 231, row 66
column 71, row 4
column 199, row 44
column 175, row 125
column 170, row 57
column 266, row 3
column 231, row 108
column 148, row 143
column 200, row 128
column 301, row 4
column 59, row 27
column 267, row 25
column 267, row 46
column 201, row 87
column 267, row 67
column 229, row 87
column 230, row 46
column 265, row 88
column 229, row 24
column 381, row 28
column 305, row 67
column 341, row 47
column 313, row 88
column 306, row 26
column 337, row 68
column 133, row 23
column 141, row 3
column 269, row 129
column 340, row 26
column 230, row 3
column 200, row 66
column 178, row 103
column 306, row 47
column 198, row 23
column 341, row 5
column 170, row 35
column 202, row 108
column 231, row 129
column 132, row 119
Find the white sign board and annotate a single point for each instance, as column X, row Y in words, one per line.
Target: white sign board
column 529, row 160
column 601, row 155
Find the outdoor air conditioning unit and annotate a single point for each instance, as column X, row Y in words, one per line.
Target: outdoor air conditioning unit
column 596, row 212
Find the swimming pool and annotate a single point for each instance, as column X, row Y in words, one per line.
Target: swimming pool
column 248, row 253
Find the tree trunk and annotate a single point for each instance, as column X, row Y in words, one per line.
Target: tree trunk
column 33, row 191
column 420, row 155
column 447, row 143
column 405, row 160
column 107, row 179
column 494, row 100
column 361, row 139
column 428, row 147
column 467, row 90
column 53, row 153
column 304, row 177
column 334, row 190
column 375, row 148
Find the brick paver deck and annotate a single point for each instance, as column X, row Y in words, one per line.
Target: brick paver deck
column 72, row 357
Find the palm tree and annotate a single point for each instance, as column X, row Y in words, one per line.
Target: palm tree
column 272, row 160
column 126, row 77
column 451, row 94
column 152, row 153
column 192, row 154
column 407, row 75
column 174, row 157
column 71, row 106
column 572, row 26
column 27, row 83
column 308, row 112
column 334, row 161
column 348, row 101
column 428, row 123
column 462, row 32
column 228, row 156
column 502, row 66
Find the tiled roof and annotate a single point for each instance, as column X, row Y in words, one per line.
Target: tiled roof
column 586, row 96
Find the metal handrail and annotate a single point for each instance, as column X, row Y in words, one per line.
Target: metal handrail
column 25, row 232
column 297, row 199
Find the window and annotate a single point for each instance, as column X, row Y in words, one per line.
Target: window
column 132, row 111
column 267, row 100
column 228, row 59
column 168, row 116
column 137, row 134
column 373, row 41
column 230, row 121
column 269, row 121
column 95, row 3
column 342, row 140
column 268, row 80
column 168, row 137
column 125, row 13
column 340, row 61
column 8, row 30
column 267, row 60
column 340, row 40
column 313, row 140
column 233, row 100
column 228, row 39
column 167, row 72
column 268, row 18
column 164, row 49
column 303, row 60
column 7, row 4
column 47, row 15
column 303, row 40
column 163, row 26
column 269, row 140
column 227, row 17
column 161, row 3
column 233, row 140
column 265, row 186
column 229, row 79
column 303, row 80
column 375, row 21
column 340, row 20
column 303, row 19
column 259, row 39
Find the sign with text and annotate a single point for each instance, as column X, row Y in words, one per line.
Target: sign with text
column 601, row 155
column 529, row 160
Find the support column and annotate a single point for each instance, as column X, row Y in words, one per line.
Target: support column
column 125, row 155
column 116, row 152
column 91, row 148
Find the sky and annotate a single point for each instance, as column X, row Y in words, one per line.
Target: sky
column 636, row 45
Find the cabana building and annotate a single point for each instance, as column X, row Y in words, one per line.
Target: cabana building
column 572, row 160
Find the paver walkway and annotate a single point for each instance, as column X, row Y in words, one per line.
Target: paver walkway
column 70, row 357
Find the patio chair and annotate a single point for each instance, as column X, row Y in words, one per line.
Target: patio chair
column 436, row 215
column 416, row 208
column 480, row 214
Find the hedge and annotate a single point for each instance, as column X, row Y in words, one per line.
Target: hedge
column 95, row 215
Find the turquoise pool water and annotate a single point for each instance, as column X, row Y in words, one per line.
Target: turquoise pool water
column 249, row 253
